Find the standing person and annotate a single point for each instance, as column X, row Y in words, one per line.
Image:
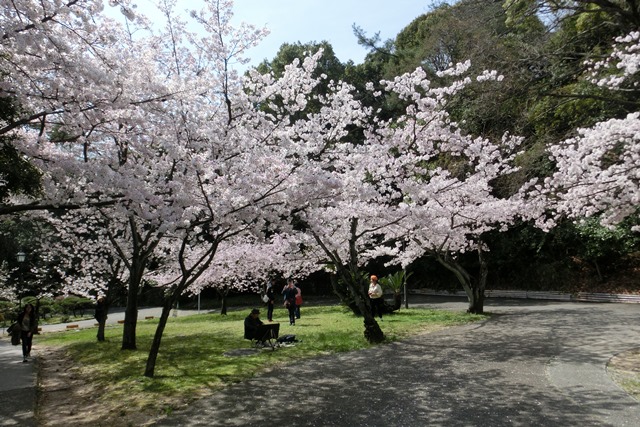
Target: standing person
column 28, row 322
column 289, row 293
column 375, row 296
column 101, row 316
column 298, row 300
column 271, row 295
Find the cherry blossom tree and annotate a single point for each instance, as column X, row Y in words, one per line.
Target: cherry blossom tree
column 597, row 170
column 441, row 178
column 416, row 185
column 157, row 135
column 112, row 116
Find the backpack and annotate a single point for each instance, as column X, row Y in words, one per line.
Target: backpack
column 285, row 339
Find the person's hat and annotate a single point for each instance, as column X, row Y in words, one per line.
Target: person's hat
column 374, row 278
column 255, row 311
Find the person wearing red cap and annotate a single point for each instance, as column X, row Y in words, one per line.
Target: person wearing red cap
column 375, row 297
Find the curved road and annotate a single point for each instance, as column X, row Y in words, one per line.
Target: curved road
column 532, row 364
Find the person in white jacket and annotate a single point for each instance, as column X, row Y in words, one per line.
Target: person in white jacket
column 375, row 297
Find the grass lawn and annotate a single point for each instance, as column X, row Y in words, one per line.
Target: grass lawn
column 193, row 358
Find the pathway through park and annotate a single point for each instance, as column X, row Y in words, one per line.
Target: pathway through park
column 532, row 364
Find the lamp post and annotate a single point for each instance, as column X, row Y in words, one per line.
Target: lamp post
column 21, row 257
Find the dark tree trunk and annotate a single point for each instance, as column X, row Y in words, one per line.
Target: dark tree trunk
column 479, row 286
column 171, row 298
column 343, row 293
column 397, row 301
column 157, row 338
column 131, row 311
column 223, row 301
column 598, row 272
column 223, row 306
column 142, row 249
column 357, row 288
column 474, row 288
column 101, row 325
column 356, row 298
column 372, row 331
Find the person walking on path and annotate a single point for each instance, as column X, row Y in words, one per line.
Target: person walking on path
column 290, row 292
column 270, row 294
column 375, row 297
column 28, row 322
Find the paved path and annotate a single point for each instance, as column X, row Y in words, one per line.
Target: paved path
column 17, row 387
column 533, row 364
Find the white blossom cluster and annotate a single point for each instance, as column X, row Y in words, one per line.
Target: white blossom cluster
column 622, row 63
column 598, row 170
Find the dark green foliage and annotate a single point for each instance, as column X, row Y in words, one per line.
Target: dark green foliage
column 8, row 312
column 77, row 306
column 20, row 176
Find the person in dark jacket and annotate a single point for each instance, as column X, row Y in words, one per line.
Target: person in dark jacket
column 290, row 292
column 28, row 322
column 251, row 323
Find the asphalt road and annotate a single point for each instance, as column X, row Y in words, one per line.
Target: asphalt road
column 532, row 364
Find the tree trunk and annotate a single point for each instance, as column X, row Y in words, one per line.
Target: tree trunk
column 223, row 301
column 356, row 298
column 473, row 288
column 397, row 301
column 157, row 338
column 131, row 311
column 480, row 286
column 101, row 325
column 344, row 295
column 130, row 320
column 598, row 272
column 372, row 331
column 223, row 307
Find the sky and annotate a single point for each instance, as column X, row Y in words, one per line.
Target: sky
column 305, row 21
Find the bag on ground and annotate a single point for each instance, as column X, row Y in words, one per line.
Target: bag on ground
column 287, row 339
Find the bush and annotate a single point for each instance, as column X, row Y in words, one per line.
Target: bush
column 75, row 305
column 8, row 312
column 47, row 308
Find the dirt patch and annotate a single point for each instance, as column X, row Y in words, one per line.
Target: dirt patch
column 624, row 370
column 66, row 398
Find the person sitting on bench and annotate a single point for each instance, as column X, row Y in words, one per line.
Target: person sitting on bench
column 251, row 324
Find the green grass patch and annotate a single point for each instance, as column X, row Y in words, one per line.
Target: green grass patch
column 194, row 360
